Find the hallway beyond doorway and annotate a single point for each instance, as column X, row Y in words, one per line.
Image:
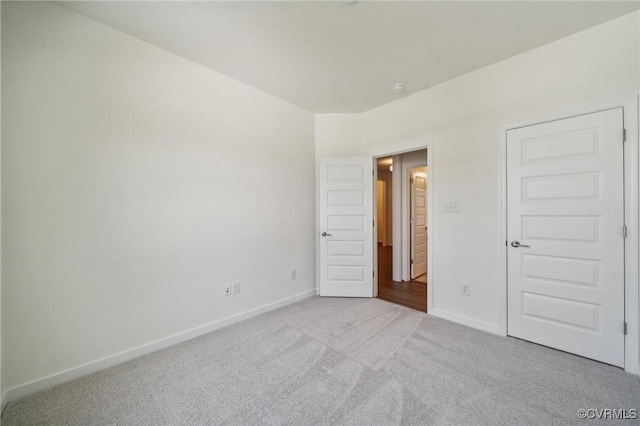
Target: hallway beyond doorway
column 412, row 294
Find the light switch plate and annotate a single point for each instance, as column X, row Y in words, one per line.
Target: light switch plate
column 451, row 207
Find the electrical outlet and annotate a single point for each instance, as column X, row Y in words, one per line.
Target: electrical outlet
column 235, row 287
column 464, row 289
column 293, row 274
column 227, row 289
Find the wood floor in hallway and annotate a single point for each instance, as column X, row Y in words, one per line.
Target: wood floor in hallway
column 412, row 294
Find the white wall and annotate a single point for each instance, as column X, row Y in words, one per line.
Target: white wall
column 338, row 135
column 134, row 184
column 465, row 118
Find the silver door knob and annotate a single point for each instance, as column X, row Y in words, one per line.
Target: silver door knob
column 517, row 244
column 324, row 234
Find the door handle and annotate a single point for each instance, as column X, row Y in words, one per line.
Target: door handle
column 517, row 244
column 324, row 234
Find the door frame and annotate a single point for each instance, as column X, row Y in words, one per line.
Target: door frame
column 428, row 145
column 631, row 211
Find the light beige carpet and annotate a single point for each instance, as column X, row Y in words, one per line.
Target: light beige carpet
column 337, row 361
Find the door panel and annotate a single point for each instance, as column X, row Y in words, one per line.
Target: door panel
column 565, row 208
column 418, row 223
column 346, row 227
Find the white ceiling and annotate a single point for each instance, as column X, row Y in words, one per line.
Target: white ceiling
column 336, row 57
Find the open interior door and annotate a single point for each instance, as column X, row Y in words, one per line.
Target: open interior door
column 346, row 227
column 418, row 223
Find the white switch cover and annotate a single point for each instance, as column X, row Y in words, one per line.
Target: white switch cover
column 451, row 207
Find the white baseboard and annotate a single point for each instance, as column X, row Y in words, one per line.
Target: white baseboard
column 3, row 401
column 101, row 364
column 469, row 322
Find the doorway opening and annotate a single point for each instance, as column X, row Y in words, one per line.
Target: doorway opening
column 401, row 198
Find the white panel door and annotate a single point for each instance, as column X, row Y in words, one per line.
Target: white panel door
column 565, row 211
column 346, row 227
column 418, row 223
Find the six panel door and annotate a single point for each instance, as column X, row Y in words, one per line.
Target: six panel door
column 565, row 235
column 346, row 227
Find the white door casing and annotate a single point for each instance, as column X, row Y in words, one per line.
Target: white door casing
column 418, row 223
column 565, row 199
column 346, row 227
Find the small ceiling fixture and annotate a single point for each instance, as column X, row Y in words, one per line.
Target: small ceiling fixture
column 397, row 88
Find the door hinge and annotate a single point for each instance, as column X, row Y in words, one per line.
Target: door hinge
column 412, row 261
column 373, row 172
column 411, row 180
column 625, row 328
column 624, row 135
column 373, row 223
column 373, row 274
column 624, row 231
